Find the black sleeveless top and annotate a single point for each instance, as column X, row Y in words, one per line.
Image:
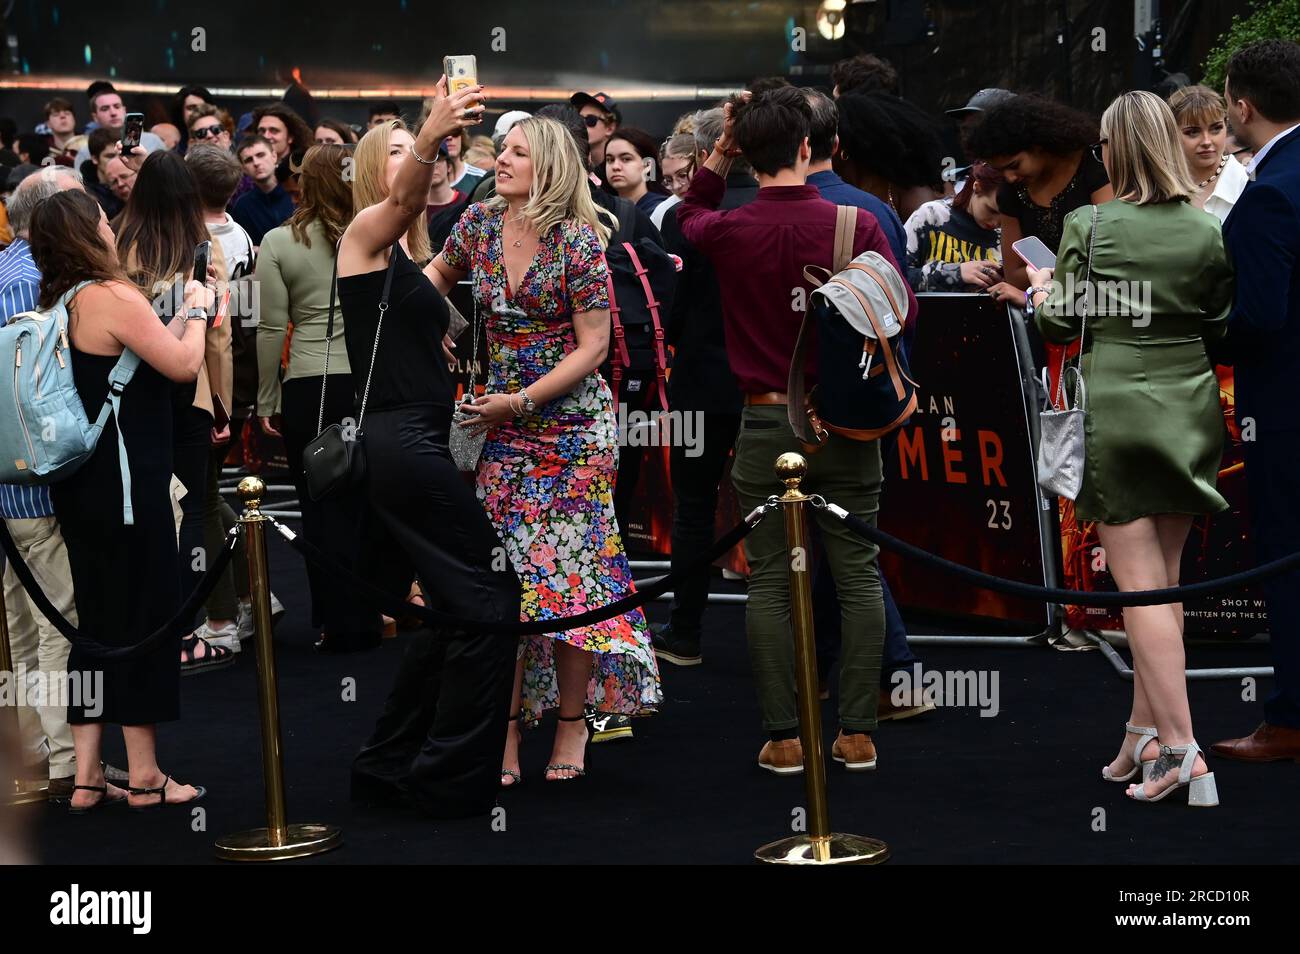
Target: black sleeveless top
column 410, row 367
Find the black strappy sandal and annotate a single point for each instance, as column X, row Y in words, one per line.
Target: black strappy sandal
column 565, row 766
column 161, row 792
column 214, row 657
column 505, row 772
column 103, row 800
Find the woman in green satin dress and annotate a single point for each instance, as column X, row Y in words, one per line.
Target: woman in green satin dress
column 1161, row 289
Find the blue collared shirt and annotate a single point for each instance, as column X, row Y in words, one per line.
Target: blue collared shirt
column 834, row 189
column 20, row 285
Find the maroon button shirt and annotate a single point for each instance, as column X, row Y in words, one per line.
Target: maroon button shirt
column 759, row 252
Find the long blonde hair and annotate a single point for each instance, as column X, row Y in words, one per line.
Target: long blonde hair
column 1147, row 162
column 559, row 189
column 369, row 160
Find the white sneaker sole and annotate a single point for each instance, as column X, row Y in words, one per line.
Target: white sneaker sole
column 796, row 770
column 855, row 766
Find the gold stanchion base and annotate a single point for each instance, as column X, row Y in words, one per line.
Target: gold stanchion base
column 837, row 849
column 302, row 840
column 25, row 793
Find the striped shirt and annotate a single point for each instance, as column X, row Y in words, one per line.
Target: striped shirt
column 20, row 284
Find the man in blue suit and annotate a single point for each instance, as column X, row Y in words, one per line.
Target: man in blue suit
column 1262, row 235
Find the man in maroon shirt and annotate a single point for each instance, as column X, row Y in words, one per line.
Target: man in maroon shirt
column 758, row 252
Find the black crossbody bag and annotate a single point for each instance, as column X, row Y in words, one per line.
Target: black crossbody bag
column 331, row 462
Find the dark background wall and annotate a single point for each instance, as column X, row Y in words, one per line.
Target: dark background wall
column 944, row 49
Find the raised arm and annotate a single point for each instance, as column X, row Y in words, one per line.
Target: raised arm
column 377, row 227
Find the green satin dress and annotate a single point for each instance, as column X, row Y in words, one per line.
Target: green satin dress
column 1162, row 291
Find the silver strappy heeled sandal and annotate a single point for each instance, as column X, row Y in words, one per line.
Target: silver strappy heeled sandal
column 1202, row 792
column 1145, row 734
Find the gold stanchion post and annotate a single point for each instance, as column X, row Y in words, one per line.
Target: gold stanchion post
column 819, row 846
column 279, row 839
column 15, row 791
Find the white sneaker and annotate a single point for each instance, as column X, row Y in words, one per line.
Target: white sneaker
column 225, row 636
column 245, row 622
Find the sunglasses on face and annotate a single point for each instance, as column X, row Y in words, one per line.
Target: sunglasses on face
column 207, row 132
column 591, row 120
column 1096, row 149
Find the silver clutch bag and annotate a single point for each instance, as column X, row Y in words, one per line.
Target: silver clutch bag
column 466, row 448
column 1060, row 441
column 1061, row 427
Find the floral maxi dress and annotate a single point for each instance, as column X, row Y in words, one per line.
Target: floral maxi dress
column 546, row 479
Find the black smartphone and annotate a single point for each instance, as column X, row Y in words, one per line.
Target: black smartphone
column 220, row 416
column 132, row 131
column 202, row 255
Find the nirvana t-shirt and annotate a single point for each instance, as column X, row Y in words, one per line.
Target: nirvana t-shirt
column 1047, row 222
column 939, row 238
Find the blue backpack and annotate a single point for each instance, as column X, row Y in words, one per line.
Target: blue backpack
column 45, row 434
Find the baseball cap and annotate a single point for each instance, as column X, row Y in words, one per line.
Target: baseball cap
column 603, row 100
column 506, row 120
column 984, row 99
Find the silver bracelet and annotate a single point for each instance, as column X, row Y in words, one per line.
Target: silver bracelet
column 420, row 158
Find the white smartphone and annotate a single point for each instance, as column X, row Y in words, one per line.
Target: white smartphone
column 461, row 71
column 1034, row 252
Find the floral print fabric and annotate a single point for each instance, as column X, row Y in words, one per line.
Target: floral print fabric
column 546, row 480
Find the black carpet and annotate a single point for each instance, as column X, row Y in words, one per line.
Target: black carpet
column 952, row 787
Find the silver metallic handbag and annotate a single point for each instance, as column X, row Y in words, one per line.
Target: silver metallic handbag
column 1061, row 426
column 466, row 448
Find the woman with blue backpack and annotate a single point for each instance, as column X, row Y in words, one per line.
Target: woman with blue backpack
column 125, row 575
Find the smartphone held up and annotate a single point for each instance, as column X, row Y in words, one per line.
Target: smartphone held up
column 462, row 72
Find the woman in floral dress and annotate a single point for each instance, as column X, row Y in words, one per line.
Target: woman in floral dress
column 546, row 477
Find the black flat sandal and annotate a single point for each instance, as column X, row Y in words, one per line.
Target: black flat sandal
column 161, row 792
column 103, row 800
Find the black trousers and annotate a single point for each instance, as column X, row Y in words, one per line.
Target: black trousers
column 442, row 734
column 334, row 524
column 191, row 452
column 695, row 505
column 639, row 396
column 1273, row 480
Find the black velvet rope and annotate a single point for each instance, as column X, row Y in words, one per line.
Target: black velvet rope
column 397, row 607
column 178, row 625
column 1053, row 594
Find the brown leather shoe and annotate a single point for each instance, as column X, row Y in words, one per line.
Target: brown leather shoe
column 1268, row 743
column 782, row 758
column 886, row 710
column 856, row 751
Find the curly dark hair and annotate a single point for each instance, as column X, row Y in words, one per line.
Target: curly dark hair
column 1032, row 120
column 892, row 138
column 866, row 73
column 301, row 136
